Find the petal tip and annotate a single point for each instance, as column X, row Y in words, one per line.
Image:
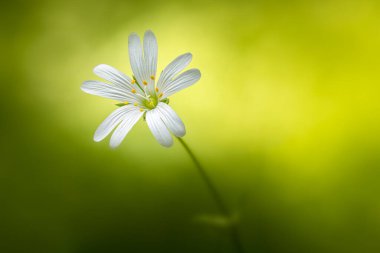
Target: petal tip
column 84, row 86
column 197, row 74
column 133, row 36
column 113, row 146
column 96, row 138
column 167, row 145
column 99, row 67
column 181, row 134
column 149, row 32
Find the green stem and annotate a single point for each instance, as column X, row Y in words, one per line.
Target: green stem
column 217, row 197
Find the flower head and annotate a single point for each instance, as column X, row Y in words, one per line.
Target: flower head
column 143, row 94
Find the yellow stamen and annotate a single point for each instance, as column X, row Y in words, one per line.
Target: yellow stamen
column 133, row 91
column 135, row 104
column 145, row 83
column 126, row 102
column 141, row 109
column 160, row 96
column 152, row 77
column 156, row 89
column 133, row 81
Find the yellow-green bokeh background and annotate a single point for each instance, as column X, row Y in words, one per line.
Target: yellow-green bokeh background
column 285, row 118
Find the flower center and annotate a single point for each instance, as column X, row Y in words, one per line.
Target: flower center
column 150, row 102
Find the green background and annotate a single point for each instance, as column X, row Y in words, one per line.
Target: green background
column 285, row 119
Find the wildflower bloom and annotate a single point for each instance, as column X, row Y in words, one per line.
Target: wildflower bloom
column 141, row 95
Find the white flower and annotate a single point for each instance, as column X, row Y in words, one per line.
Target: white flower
column 141, row 95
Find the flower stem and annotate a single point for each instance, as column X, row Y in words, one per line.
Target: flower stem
column 217, row 197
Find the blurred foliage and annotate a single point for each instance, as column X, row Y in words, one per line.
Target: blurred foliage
column 285, row 118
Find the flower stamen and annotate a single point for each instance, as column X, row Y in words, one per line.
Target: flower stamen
column 141, row 96
column 145, row 83
column 152, row 77
column 133, row 91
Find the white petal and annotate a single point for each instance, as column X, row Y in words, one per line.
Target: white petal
column 171, row 119
column 125, row 126
column 183, row 81
column 136, row 57
column 111, row 122
column 108, row 91
column 114, row 76
column 158, row 128
column 150, row 57
column 175, row 67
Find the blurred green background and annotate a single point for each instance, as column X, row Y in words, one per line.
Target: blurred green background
column 285, row 118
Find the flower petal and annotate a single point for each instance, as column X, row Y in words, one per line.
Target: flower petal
column 171, row 119
column 176, row 66
column 183, row 81
column 109, row 91
column 150, row 57
column 111, row 122
column 158, row 128
column 130, row 119
column 114, row 76
column 136, row 57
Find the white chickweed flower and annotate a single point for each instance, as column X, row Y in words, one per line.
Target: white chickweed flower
column 141, row 95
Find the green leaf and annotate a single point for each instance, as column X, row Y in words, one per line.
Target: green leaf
column 166, row 100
